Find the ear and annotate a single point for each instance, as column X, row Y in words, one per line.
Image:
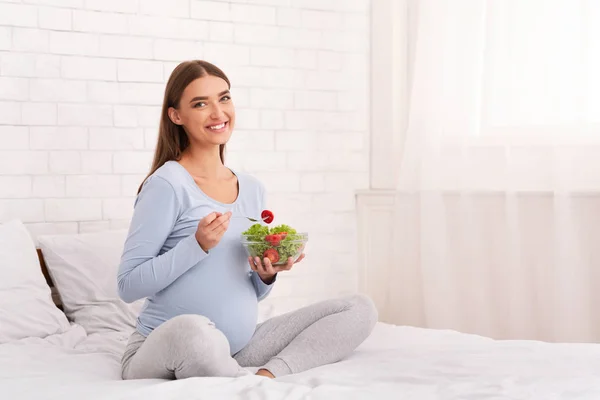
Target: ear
column 174, row 116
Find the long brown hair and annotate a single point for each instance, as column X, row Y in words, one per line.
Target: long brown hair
column 172, row 139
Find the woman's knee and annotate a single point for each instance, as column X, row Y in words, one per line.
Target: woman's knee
column 204, row 350
column 195, row 332
column 188, row 323
column 196, row 335
column 365, row 310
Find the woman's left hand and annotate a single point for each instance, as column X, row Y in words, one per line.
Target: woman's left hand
column 267, row 271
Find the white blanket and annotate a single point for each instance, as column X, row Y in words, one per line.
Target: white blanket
column 394, row 363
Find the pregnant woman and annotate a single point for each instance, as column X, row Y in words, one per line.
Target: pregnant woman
column 183, row 255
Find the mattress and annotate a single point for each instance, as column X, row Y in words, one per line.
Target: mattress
column 395, row 362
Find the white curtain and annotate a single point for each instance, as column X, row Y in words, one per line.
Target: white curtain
column 497, row 228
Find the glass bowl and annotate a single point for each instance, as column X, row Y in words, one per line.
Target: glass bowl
column 277, row 249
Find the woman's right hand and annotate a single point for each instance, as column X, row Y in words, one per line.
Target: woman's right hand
column 211, row 229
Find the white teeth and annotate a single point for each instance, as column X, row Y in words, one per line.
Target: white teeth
column 220, row 126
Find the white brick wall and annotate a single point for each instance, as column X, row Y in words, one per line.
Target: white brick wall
column 81, row 84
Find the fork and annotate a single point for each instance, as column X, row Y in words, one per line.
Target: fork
column 251, row 219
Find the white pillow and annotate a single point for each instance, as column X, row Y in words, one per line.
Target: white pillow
column 84, row 269
column 26, row 306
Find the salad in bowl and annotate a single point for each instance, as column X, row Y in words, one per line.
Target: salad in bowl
column 277, row 243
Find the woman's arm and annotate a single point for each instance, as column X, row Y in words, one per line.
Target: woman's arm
column 142, row 272
column 262, row 289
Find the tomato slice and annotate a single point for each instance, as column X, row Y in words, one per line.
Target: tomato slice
column 267, row 216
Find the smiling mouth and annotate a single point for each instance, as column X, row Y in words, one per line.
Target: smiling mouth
column 218, row 127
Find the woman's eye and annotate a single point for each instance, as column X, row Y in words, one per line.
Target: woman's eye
column 225, row 98
column 200, row 104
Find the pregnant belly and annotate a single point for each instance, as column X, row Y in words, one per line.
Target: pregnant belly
column 232, row 308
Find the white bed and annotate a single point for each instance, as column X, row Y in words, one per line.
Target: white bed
column 394, row 363
column 46, row 353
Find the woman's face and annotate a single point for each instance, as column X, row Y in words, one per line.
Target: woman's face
column 206, row 111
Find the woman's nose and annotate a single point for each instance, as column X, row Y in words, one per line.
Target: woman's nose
column 217, row 112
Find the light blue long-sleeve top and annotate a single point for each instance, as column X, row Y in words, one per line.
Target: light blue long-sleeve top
column 163, row 262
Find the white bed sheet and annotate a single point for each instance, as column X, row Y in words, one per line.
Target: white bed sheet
column 394, row 363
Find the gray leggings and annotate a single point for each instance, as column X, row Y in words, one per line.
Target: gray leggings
column 190, row 345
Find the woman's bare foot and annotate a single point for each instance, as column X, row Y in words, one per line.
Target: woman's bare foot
column 264, row 372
